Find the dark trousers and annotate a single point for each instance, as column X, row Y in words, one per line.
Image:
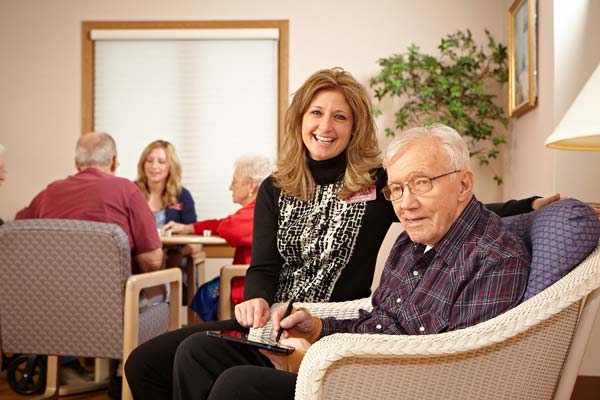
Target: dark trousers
column 187, row 364
column 249, row 382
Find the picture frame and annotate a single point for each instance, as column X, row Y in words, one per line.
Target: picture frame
column 522, row 57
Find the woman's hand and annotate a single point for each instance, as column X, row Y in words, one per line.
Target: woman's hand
column 253, row 313
column 544, row 201
column 175, row 228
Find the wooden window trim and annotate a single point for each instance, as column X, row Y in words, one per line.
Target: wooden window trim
column 87, row 57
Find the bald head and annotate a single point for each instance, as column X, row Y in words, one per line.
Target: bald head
column 96, row 149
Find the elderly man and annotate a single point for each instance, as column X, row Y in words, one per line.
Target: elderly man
column 455, row 265
column 96, row 194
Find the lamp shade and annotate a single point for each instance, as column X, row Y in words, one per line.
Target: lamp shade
column 579, row 128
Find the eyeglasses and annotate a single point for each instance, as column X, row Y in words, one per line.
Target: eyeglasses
column 419, row 185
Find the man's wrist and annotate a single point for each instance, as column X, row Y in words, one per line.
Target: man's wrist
column 314, row 334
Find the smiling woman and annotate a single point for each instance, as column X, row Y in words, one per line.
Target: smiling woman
column 159, row 178
column 327, row 125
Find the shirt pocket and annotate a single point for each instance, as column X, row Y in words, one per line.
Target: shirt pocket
column 417, row 321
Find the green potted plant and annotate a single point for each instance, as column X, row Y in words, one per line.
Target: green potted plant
column 455, row 88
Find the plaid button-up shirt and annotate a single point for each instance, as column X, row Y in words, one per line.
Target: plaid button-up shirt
column 478, row 270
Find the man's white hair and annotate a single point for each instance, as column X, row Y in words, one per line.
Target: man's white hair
column 452, row 143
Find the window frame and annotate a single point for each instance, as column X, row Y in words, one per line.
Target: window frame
column 87, row 57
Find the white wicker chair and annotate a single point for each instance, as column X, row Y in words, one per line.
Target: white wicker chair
column 530, row 352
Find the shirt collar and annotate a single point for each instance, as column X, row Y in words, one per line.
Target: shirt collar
column 92, row 171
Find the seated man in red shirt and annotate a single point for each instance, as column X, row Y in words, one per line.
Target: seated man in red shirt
column 96, row 194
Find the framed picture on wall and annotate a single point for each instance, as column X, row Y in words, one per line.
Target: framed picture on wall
column 522, row 57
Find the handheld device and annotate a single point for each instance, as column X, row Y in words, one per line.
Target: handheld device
column 272, row 346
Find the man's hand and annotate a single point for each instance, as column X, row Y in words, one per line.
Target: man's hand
column 176, row 228
column 253, row 313
column 288, row 362
column 300, row 320
column 544, row 201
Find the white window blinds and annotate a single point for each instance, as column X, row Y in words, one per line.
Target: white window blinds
column 214, row 97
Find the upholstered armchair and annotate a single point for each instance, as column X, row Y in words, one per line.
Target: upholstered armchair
column 533, row 351
column 67, row 289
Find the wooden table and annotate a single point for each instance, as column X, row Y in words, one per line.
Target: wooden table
column 212, row 247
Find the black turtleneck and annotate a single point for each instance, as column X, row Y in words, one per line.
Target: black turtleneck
column 327, row 171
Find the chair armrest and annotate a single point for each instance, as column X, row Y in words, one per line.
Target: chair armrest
column 227, row 273
column 340, row 310
column 134, row 286
column 538, row 332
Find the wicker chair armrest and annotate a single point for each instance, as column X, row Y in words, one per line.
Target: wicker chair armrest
column 341, row 310
column 574, row 287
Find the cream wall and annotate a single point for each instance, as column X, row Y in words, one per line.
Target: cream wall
column 40, row 68
column 569, row 51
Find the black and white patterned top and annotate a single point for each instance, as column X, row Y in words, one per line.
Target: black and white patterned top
column 323, row 249
column 316, row 239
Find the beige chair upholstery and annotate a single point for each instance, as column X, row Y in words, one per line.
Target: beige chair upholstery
column 67, row 289
column 225, row 309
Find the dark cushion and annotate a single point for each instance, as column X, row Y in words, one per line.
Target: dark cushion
column 559, row 236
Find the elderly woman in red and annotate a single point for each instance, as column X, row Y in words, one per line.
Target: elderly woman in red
column 236, row 229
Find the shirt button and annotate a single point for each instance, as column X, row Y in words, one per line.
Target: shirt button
column 378, row 327
column 416, row 273
column 398, row 300
column 422, row 329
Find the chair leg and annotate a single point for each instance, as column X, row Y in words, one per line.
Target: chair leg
column 102, row 369
column 125, row 391
column 192, row 318
column 195, row 277
column 52, row 379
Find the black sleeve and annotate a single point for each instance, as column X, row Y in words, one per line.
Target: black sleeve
column 262, row 277
column 512, row 207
